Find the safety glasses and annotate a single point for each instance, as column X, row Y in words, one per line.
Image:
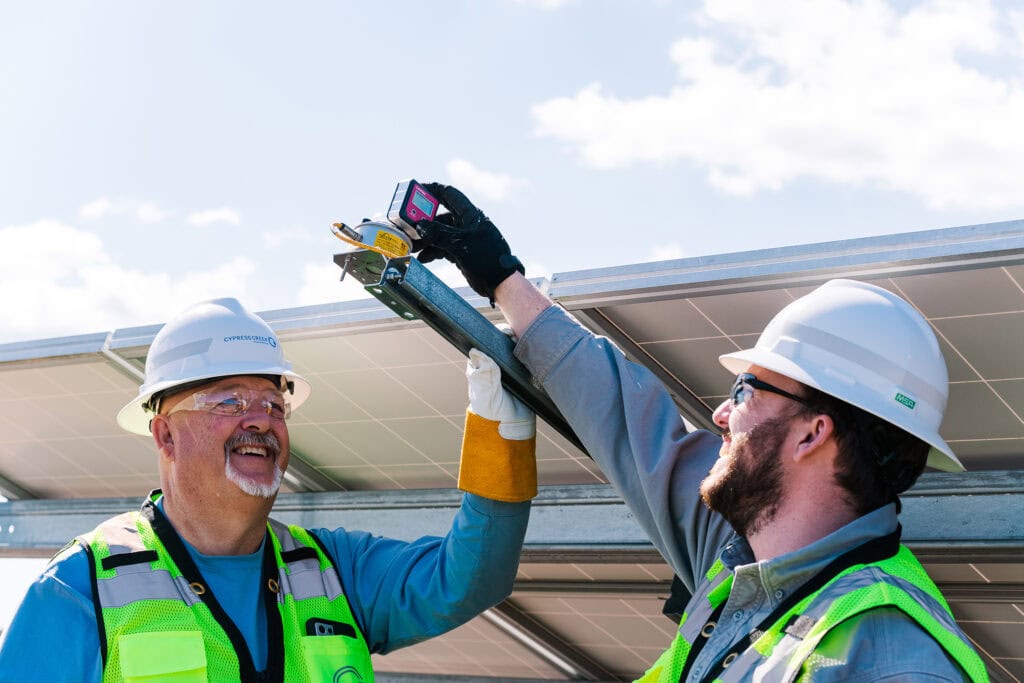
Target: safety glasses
column 235, row 403
column 743, row 389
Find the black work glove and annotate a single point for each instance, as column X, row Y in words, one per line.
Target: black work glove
column 467, row 238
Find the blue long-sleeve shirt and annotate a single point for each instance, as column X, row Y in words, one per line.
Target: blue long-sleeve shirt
column 400, row 592
column 632, row 428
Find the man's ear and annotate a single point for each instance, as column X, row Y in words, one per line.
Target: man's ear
column 162, row 437
column 813, row 433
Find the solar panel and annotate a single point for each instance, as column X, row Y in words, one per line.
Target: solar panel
column 388, row 405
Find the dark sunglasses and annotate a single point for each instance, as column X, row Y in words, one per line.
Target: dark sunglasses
column 743, row 389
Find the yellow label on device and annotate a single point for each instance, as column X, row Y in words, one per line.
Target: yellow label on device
column 390, row 243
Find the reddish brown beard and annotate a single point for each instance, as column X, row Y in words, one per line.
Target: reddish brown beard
column 749, row 492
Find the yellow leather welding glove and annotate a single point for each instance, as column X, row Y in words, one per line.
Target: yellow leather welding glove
column 499, row 447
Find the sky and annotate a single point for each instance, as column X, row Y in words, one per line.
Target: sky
column 154, row 154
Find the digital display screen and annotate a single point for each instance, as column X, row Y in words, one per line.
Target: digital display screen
column 422, row 203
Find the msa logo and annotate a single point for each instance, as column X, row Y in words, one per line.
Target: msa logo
column 341, row 674
column 906, row 400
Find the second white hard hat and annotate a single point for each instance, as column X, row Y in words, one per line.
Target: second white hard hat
column 866, row 346
column 217, row 338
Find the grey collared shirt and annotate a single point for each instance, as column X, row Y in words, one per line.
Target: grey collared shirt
column 632, row 428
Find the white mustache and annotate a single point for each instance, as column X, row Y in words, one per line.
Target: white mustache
column 248, row 438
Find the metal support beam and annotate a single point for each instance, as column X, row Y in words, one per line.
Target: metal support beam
column 120, row 362
column 965, row 517
column 413, row 292
column 13, row 491
column 581, row 523
column 593, row 588
column 304, row 477
column 953, row 591
column 1007, row 593
column 570, row 662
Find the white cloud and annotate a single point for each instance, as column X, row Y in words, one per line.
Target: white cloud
column 45, row 250
column 96, row 209
column 476, row 182
column 535, row 269
column 273, row 239
column 545, row 4
column 147, row 212
column 59, row 280
column 855, row 93
column 1015, row 27
column 320, row 285
column 222, row 215
column 665, row 252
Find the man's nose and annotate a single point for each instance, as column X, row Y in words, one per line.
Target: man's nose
column 721, row 414
column 256, row 419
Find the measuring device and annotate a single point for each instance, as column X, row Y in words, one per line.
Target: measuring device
column 411, row 204
column 376, row 241
column 379, row 258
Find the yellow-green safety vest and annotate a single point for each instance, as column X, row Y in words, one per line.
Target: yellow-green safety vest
column 779, row 651
column 158, row 621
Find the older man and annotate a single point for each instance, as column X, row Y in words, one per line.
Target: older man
column 785, row 527
column 201, row 584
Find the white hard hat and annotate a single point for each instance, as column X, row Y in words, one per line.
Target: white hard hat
column 216, row 338
column 866, row 346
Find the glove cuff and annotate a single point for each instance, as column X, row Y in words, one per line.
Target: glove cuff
column 506, row 265
column 496, row 468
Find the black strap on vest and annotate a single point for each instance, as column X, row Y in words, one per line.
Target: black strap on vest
column 268, row 585
column 303, row 552
column 124, row 559
column 875, row 550
column 101, row 627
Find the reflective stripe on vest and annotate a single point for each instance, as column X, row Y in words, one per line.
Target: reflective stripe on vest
column 154, row 622
column 305, row 578
column 780, row 652
column 711, row 593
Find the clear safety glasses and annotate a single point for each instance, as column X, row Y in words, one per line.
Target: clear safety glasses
column 235, row 403
column 743, row 389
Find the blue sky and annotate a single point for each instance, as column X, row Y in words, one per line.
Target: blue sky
column 155, row 154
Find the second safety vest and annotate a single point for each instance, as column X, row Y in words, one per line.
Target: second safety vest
column 851, row 585
column 157, row 619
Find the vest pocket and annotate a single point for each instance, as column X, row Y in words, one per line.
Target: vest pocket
column 177, row 656
column 337, row 658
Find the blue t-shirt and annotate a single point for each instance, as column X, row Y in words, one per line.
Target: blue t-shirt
column 400, row 592
column 234, row 579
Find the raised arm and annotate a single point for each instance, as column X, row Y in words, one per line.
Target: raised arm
column 622, row 413
column 520, row 302
column 403, row 593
